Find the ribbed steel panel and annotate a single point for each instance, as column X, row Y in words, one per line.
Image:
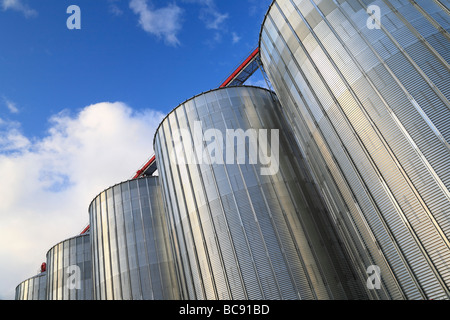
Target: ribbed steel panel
column 69, row 270
column 34, row 288
column 133, row 258
column 369, row 109
column 255, row 236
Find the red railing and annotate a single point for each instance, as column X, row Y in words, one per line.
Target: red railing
column 240, row 68
column 145, row 167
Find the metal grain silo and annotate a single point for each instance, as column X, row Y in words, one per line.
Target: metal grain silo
column 69, row 270
column 245, row 218
column 34, row 288
column 131, row 252
column 364, row 85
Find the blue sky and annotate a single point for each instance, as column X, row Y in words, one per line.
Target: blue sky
column 78, row 108
column 45, row 67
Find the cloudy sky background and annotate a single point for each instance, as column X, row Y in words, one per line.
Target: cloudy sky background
column 79, row 108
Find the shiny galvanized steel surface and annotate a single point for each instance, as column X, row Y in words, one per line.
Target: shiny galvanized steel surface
column 69, row 270
column 132, row 256
column 370, row 111
column 239, row 234
column 34, row 288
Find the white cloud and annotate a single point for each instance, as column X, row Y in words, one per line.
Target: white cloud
column 210, row 15
column 47, row 184
column 114, row 8
column 11, row 105
column 11, row 139
column 166, row 22
column 213, row 19
column 162, row 22
column 258, row 7
column 235, row 37
column 18, row 5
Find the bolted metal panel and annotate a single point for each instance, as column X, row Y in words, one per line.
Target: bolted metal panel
column 238, row 231
column 132, row 255
column 364, row 87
